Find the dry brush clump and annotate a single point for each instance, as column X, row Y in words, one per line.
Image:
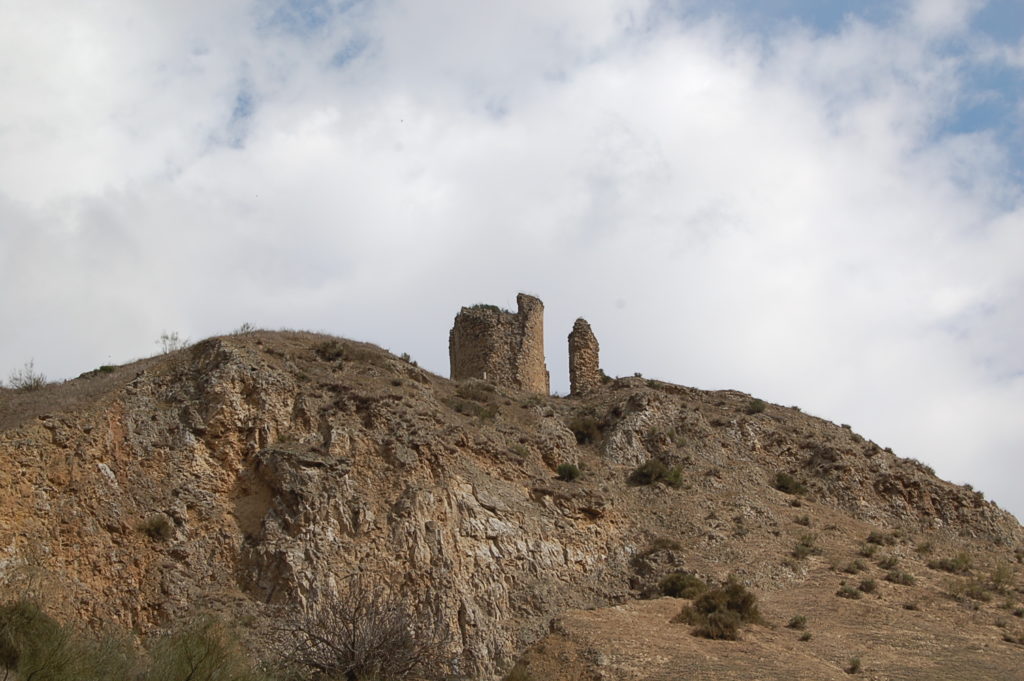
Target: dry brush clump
column 364, row 632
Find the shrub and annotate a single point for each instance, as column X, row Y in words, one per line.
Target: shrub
column 1001, row 578
column 797, row 622
column 973, row 589
column 804, row 520
column 655, row 470
column 568, row 472
column 171, row 342
column 718, row 613
column 330, row 350
column 867, row 550
column 35, row 646
column 854, row 666
column 868, row 586
column 806, row 546
column 924, row 548
column 755, row 406
column 157, row 526
column 888, row 562
column 203, row 650
column 959, row 564
column 806, row 636
column 244, row 329
column 881, row 538
column 478, row 391
column 847, row 591
column 900, row 577
column 27, row 378
column 586, row 428
column 1018, row 612
column 366, row 631
column 682, row 585
column 854, row 567
column 784, row 482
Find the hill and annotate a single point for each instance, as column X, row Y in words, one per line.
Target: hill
column 253, row 475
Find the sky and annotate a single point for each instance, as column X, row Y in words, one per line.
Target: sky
column 820, row 204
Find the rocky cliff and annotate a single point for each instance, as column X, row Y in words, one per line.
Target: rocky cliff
column 256, row 471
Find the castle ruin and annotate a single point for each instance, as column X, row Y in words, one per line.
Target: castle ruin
column 584, row 365
column 503, row 348
column 506, row 349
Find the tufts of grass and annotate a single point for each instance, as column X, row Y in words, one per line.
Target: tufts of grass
column 682, row 585
column 806, row 546
column 567, row 472
column 655, row 470
column 847, row 591
column 784, row 482
column 960, row 564
column 900, row 577
column 798, row 622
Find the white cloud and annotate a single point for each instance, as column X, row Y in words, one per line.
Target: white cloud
column 779, row 215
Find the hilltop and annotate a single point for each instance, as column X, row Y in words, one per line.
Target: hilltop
column 252, row 474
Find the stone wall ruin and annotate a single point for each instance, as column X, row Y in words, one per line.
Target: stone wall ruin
column 584, row 364
column 503, row 348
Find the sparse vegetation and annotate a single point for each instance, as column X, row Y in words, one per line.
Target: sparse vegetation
column 854, row 666
column 900, row 577
column 867, row 550
column 868, row 586
column 26, row 378
column 567, row 472
column 586, row 428
column 797, row 622
column 806, row 636
column 718, row 613
column 881, row 538
column 888, row 562
column 804, row 520
column 847, row 591
column 655, row 470
column 960, row 564
column 330, row 350
column 784, row 482
column 854, row 567
column 171, row 342
column 806, row 546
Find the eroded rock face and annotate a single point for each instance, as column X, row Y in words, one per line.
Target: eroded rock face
column 503, row 348
column 584, row 359
column 256, row 472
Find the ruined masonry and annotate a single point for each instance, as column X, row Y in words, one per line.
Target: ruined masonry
column 584, row 363
column 506, row 349
column 503, row 348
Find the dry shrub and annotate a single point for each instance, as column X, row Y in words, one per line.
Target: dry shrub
column 365, row 632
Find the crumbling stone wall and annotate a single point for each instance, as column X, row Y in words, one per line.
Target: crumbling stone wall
column 503, row 348
column 584, row 362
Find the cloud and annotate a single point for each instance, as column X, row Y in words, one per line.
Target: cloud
column 790, row 214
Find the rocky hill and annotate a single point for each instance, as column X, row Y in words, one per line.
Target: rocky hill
column 252, row 474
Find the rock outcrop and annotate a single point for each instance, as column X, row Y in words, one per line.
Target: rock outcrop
column 252, row 473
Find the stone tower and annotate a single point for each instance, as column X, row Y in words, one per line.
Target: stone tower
column 584, row 363
column 500, row 347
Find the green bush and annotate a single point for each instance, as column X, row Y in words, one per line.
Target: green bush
column 888, row 562
column 784, row 482
column 682, row 585
column 718, row 613
column 568, row 472
column 798, row 622
column 655, row 470
column 868, row 586
column 854, row 567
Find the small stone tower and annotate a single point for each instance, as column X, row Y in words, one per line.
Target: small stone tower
column 503, row 348
column 584, row 363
